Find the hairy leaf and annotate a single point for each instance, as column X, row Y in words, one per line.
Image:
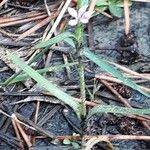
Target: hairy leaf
column 64, row 97
column 111, row 69
column 25, row 76
column 54, row 40
column 117, row 109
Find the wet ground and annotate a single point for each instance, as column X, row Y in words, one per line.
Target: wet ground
column 107, row 34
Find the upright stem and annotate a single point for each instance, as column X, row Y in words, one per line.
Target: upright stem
column 79, row 36
column 82, row 89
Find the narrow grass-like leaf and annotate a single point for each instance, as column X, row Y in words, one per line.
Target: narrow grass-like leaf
column 24, row 76
column 64, row 97
column 54, row 40
column 70, row 42
column 111, row 69
column 117, row 109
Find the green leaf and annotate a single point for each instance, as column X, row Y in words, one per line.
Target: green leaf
column 25, row 76
column 111, row 69
column 70, row 42
column 101, row 8
column 54, row 40
column 115, row 10
column 117, row 109
column 64, row 97
column 75, row 145
column 101, row 3
column 66, row 142
column 120, row 3
column 81, row 3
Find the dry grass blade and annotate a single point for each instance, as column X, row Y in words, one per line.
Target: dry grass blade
column 94, row 140
column 120, row 137
column 67, row 3
column 24, row 135
column 36, row 27
column 3, row 2
column 22, row 21
column 92, row 6
column 20, row 17
column 115, row 80
column 127, row 17
column 130, row 71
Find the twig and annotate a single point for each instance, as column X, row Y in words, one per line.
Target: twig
column 24, row 135
column 16, row 120
column 109, row 137
column 51, row 113
column 17, row 133
column 37, row 111
column 123, row 100
column 92, row 6
column 112, row 79
column 37, row 26
column 67, row 3
column 20, row 17
column 47, row 9
column 130, row 71
column 31, row 123
column 120, row 137
column 127, row 18
column 3, row 2
column 22, row 21
column 13, row 142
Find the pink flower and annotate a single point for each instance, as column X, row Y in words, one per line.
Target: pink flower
column 82, row 15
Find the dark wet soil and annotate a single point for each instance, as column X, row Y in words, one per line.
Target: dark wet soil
column 107, row 33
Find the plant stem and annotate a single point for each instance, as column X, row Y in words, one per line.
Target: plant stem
column 79, row 37
column 82, row 89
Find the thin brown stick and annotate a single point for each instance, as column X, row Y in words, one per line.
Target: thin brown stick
column 22, row 21
column 20, row 17
column 3, row 2
column 121, row 137
column 123, row 100
column 127, row 17
column 112, row 79
column 110, row 137
column 37, row 26
column 130, row 71
column 37, row 111
column 24, row 135
column 92, row 6
column 31, row 123
column 17, row 133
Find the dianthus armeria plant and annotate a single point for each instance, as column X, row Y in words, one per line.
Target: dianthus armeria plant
column 79, row 18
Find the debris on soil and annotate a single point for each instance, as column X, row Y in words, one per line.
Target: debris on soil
column 32, row 117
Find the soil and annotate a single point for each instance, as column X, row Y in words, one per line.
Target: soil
column 107, row 35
